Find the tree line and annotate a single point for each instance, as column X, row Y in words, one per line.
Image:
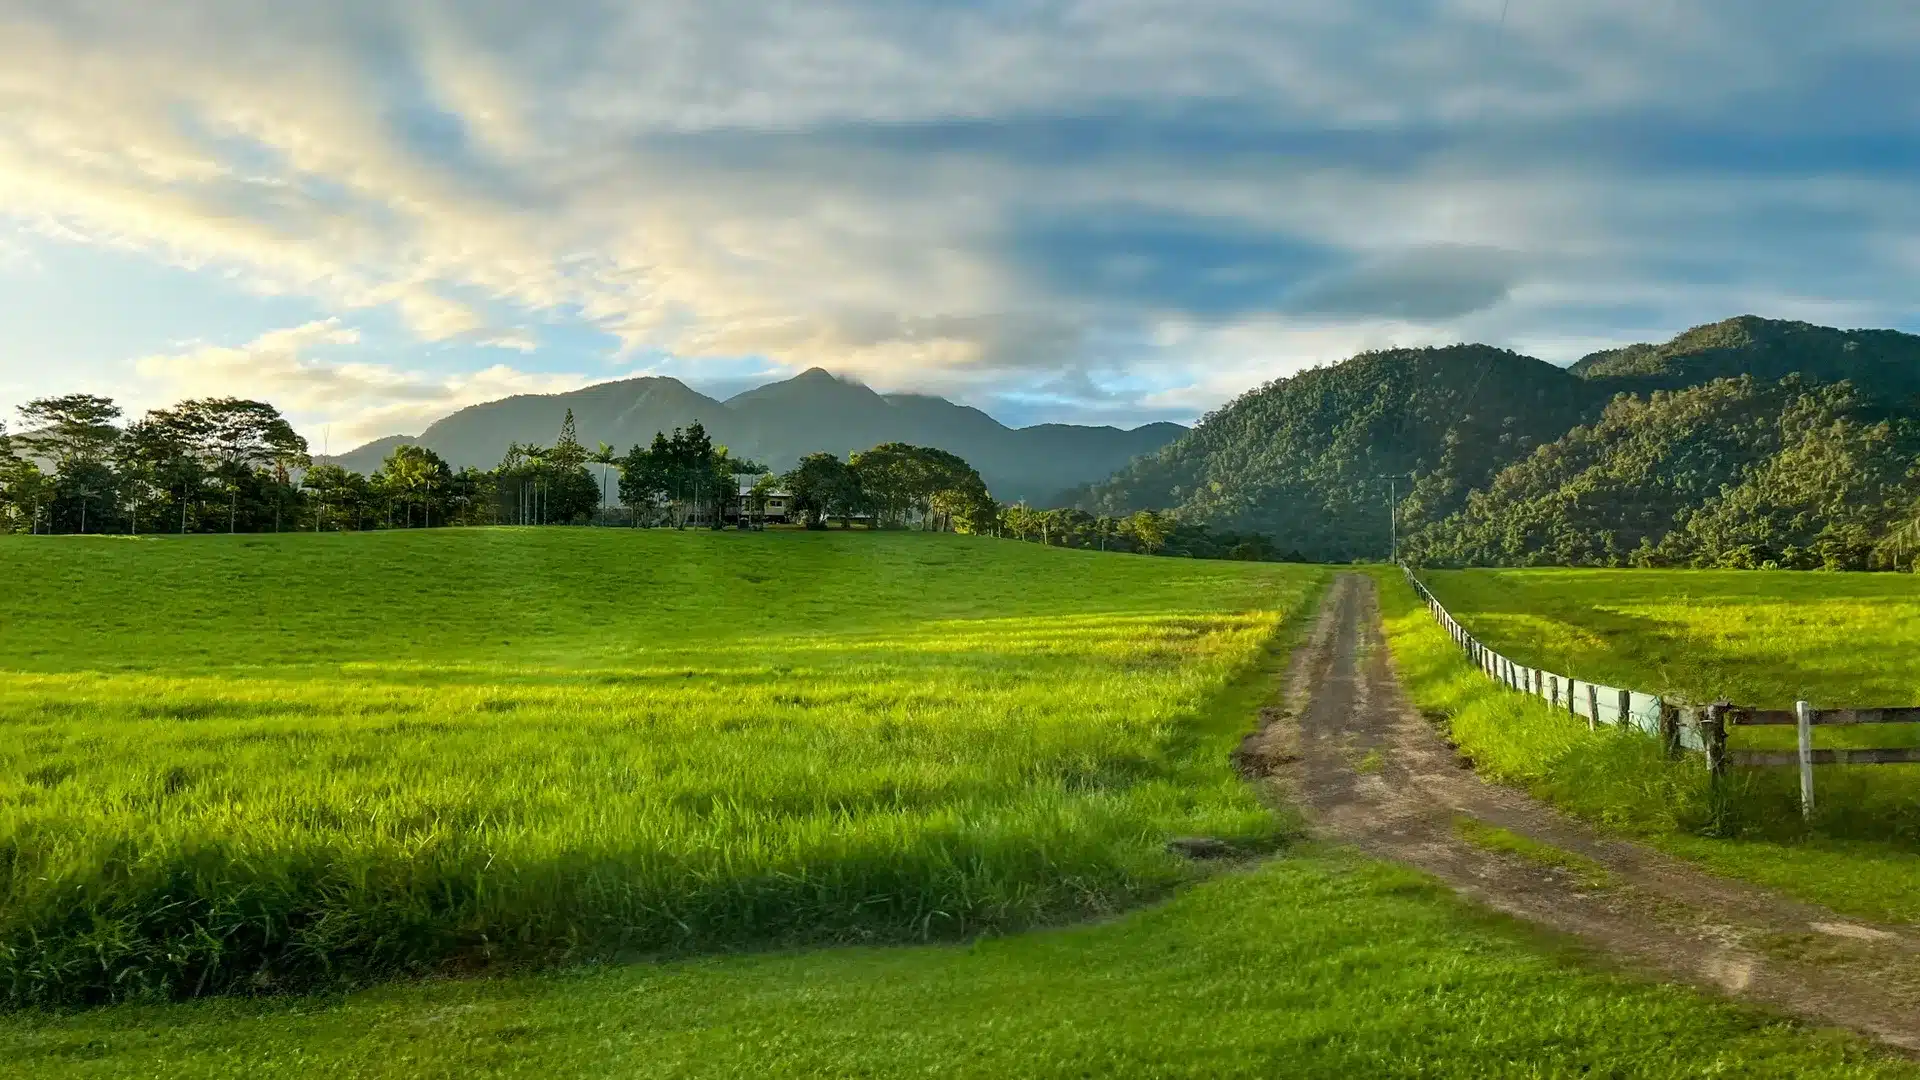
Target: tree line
column 234, row 465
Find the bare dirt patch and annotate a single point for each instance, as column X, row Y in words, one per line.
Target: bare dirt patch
column 1353, row 753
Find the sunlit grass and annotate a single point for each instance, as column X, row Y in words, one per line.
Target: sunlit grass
column 1314, row 965
column 268, row 762
column 1756, row 638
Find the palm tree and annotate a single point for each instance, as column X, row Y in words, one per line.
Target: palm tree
column 603, row 457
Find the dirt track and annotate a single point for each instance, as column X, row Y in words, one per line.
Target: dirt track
column 1370, row 771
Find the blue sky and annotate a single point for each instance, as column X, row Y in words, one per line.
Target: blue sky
column 372, row 213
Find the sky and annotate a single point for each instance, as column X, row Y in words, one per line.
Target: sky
column 374, row 212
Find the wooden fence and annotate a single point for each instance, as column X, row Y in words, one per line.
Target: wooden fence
column 1681, row 726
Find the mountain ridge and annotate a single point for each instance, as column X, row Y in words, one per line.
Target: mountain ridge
column 777, row 422
column 1306, row 459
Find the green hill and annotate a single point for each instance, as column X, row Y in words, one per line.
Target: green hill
column 1883, row 365
column 1736, row 472
column 1732, row 444
column 1303, row 459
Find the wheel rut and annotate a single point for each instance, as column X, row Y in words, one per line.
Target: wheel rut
column 1370, row 771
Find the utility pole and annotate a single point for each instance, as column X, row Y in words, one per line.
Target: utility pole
column 1393, row 516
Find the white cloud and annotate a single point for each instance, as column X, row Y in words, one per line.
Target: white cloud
column 874, row 187
column 362, row 400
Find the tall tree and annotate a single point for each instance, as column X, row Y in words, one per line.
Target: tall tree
column 1150, row 529
column 822, row 486
column 22, row 487
column 605, row 457
column 331, row 487
column 567, row 453
column 416, row 477
column 69, row 429
column 644, row 480
column 233, row 433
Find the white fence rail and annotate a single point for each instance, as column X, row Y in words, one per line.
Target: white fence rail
column 1679, row 725
column 1594, row 702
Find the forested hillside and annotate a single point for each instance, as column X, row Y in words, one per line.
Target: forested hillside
column 1883, row 365
column 1307, row 460
column 1737, row 472
column 1742, row 443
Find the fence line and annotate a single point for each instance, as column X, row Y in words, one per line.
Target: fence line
column 1681, row 726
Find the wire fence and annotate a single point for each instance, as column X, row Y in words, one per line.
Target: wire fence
column 1681, row 726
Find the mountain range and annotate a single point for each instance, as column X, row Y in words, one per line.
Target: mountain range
column 1743, row 442
column 779, row 422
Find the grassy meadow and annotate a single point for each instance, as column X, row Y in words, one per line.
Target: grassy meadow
column 1756, row 638
column 1760, row 638
column 249, row 763
column 256, row 762
column 1317, row 964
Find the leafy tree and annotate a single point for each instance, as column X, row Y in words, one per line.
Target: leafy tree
column 416, row 478
column 334, row 495
column 644, row 479
column 228, row 441
column 233, row 433
column 822, row 486
column 1149, row 529
column 69, row 429
column 22, row 488
column 918, row 483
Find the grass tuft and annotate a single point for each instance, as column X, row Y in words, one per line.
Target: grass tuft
column 1507, row 842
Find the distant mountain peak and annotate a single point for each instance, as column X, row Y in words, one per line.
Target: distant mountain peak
column 781, row 421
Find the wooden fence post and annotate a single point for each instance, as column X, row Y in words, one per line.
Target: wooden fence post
column 1571, row 709
column 1713, row 732
column 1593, row 707
column 1554, row 682
column 1626, row 708
column 1670, row 728
column 1803, row 715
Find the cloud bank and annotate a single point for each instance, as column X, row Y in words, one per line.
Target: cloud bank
column 1121, row 209
column 376, row 399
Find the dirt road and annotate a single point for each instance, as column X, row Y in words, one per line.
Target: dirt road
column 1370, row 771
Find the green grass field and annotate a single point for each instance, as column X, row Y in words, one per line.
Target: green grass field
column 242, row 764
column 266, row 762
column 1313, row 965
column 1756, row 638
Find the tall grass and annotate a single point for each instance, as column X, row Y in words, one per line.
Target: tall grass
column 1762, row 639
column 240, row 764
column 1316, row 965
